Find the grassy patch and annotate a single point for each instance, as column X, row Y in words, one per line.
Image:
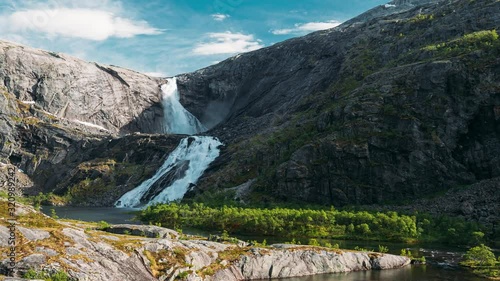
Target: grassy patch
column 163, row 260
column 224, row 260
column 480, row 40
column 57, row 276
column 422, row 18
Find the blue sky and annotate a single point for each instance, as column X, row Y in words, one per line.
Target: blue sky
column 166, row 37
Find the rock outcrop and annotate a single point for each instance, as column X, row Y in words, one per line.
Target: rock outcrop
column 303, row 261
column 117, row 99
column 155, row 253
column 98, row 172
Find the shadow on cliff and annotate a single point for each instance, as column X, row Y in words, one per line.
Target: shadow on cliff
column 97, row 172
column 150, row 121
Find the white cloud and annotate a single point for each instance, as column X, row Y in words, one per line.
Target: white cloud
column 90, row 24
column 220, row 17
column 306, row 27
column 228, row 43
column 156, row 74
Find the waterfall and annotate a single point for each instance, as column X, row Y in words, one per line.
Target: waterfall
column 185, row 165
column 177, row 119
column 198, row 152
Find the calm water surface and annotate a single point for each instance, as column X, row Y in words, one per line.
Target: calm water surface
column 409, row 273
column 441, row 260
column 95, row 214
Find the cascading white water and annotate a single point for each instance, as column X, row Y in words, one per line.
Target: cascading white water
column 200, row 152
column 185, row 165
column 177, row 119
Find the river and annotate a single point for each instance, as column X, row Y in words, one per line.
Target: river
column 442, row 260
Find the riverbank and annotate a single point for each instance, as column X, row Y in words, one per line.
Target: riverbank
column 441, row 258
column 97, row 252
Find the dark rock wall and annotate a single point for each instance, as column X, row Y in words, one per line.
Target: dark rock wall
column 98, row 172
column 362, row 113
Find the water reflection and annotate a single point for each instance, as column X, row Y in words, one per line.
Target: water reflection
column 110, row 215
column 408, row 273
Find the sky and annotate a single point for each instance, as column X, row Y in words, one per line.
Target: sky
column 166, row 37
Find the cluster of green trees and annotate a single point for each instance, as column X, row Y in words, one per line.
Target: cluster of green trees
column 482, row 261
column 284, row 222
column 451, row 230
column 313, row 223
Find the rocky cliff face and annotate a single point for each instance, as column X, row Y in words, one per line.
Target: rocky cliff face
column 65, row 124
column 116, row 99
column 399, row 102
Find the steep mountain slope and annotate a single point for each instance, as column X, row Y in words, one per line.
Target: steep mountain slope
column 391, row 105
column 398, row 103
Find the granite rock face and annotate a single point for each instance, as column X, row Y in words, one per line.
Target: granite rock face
column 374, row 110
column 300, row 261
column 97, row 172
column 117, row 99
column 477, row 202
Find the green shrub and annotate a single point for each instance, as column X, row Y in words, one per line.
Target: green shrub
column 406, row 253
column 383, row 249
column 53, row 214
column 313, row 242
column 479, row 256
column 484, row 39
column 182, row 275
column 421, row 18
column 102, row 225
column 31, row 274
column 57, row 276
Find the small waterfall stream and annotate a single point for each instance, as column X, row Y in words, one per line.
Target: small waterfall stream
column 184, row 166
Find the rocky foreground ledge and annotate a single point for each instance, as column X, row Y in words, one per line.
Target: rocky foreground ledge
column 293, row 260
column 131, row 252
